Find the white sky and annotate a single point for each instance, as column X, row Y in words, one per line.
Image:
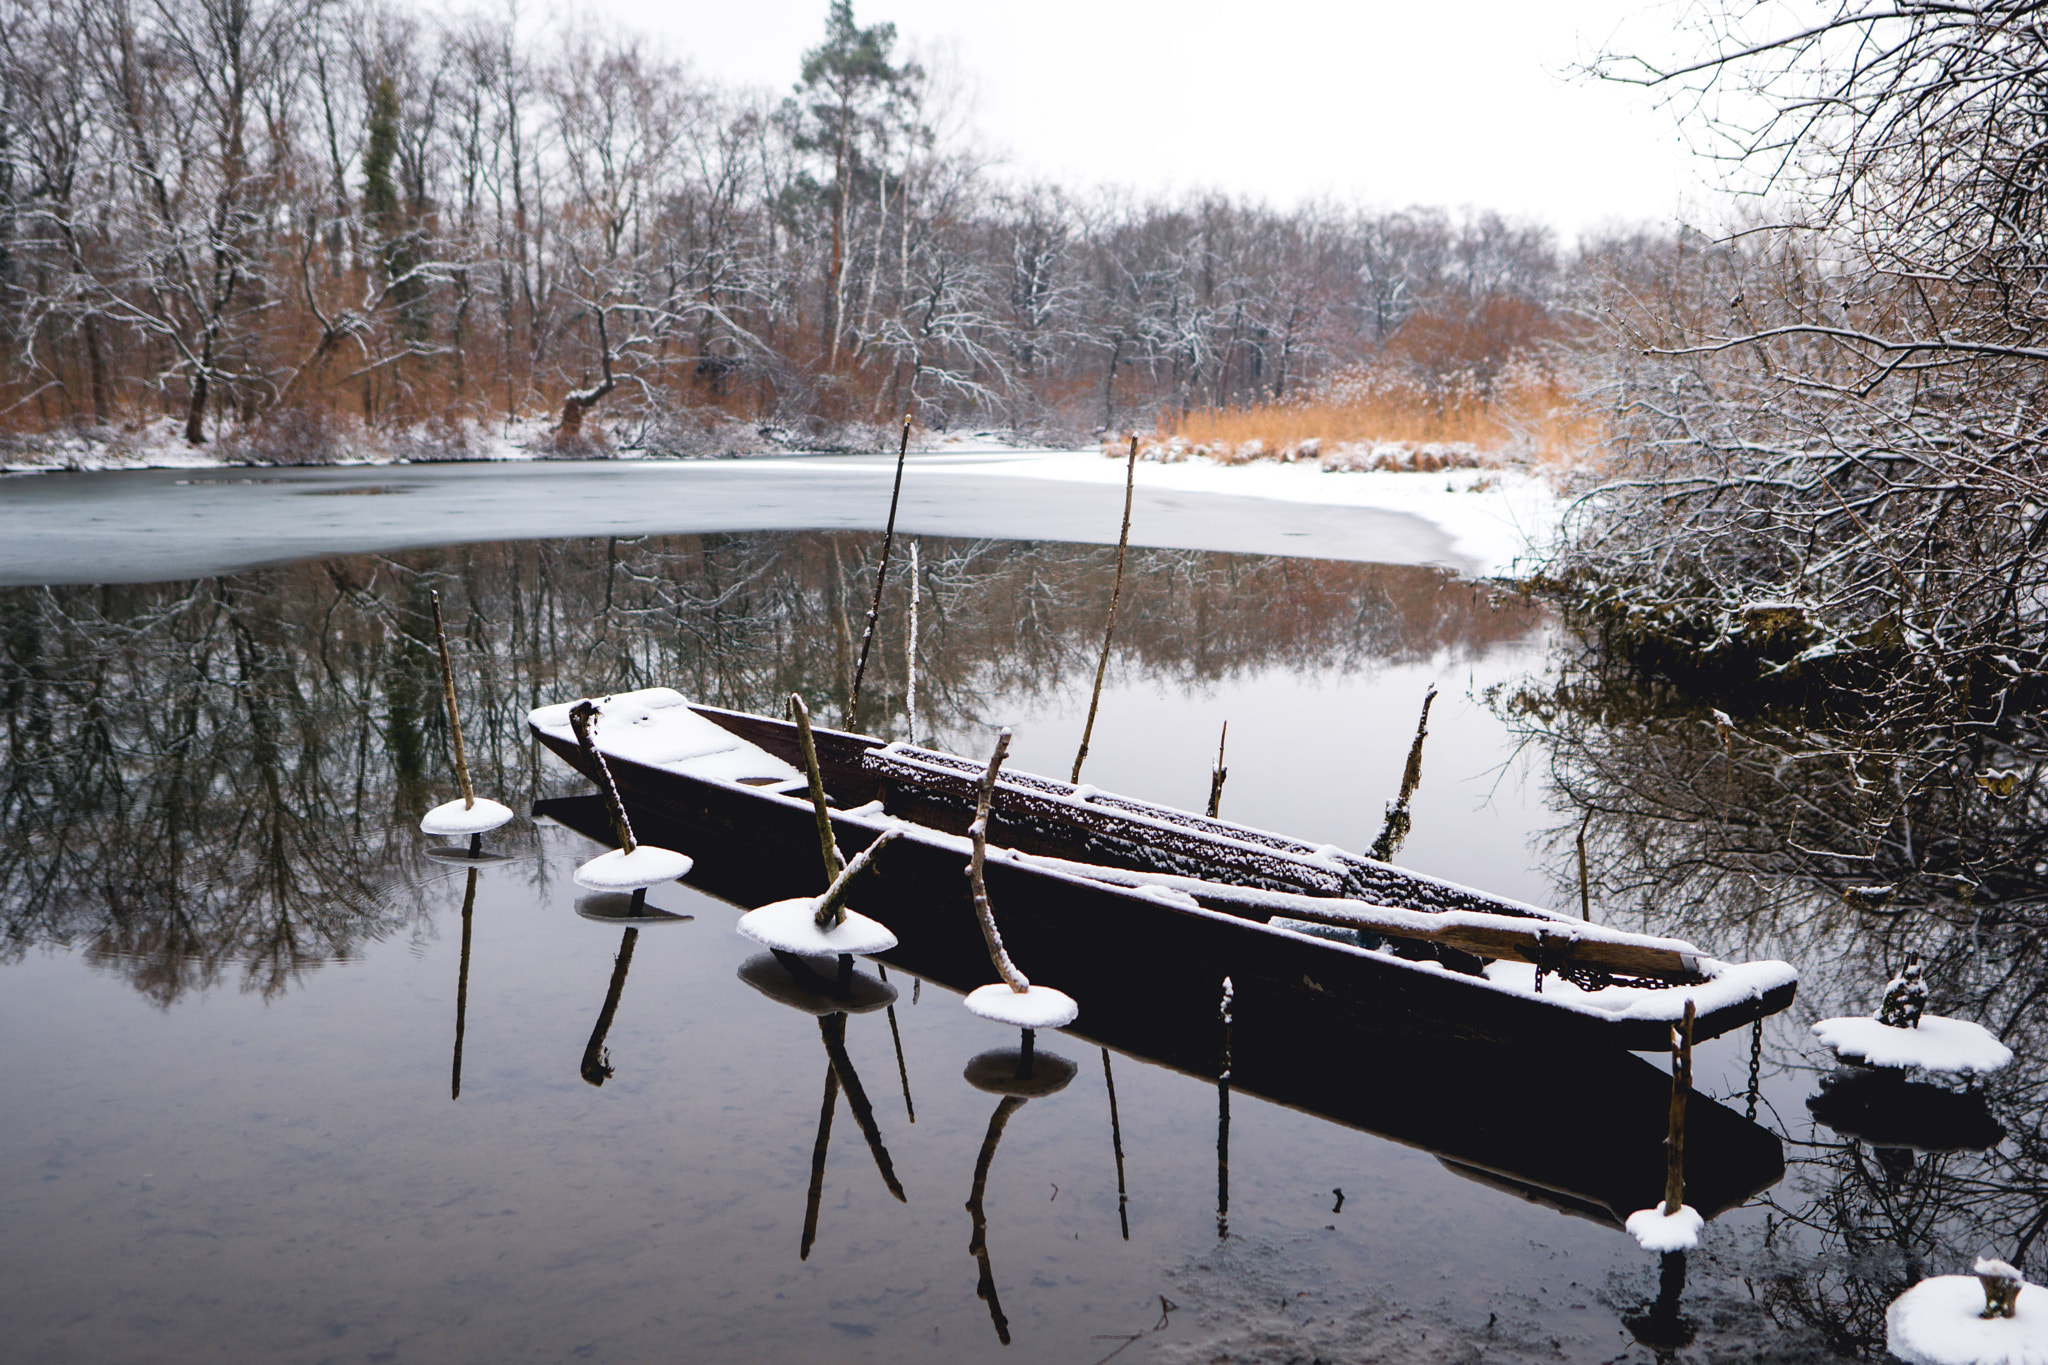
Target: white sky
column 1375, row 102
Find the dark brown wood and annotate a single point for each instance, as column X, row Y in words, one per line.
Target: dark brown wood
column 1681, row 1087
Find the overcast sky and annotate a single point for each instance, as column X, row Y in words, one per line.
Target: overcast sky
column 1380, row 103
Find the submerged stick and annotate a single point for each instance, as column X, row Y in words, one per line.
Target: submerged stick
column 1116, row 590
column 978, row 832
column 834, row 864
column 448, row 693
column 1223, row 1118
column 1216, row 777
column 597, row 1068
column 1116, row 1143
column 1681, row 1085
column 580, row 717
column 1396, row 828
column 977, row 1242
column 902, row 1068
column 867, row 635
column 833, row 1027
column 818, row 1149
column 462, row 985
column 910, row 647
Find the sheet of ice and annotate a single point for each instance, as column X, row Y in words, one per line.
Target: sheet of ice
column 1938, row 1044
column 791, row 926
column 645, row 866
column 1494, row 517
column 656, row 727
column 1656, row 1230
column 1936, row 1322
column 1038, row 1007
column 453, row 817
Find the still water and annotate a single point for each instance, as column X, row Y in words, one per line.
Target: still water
column 276, row 1085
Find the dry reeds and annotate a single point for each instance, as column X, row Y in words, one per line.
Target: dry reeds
column 1525, row 412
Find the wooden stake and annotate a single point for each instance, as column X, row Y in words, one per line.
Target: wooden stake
column 1216, row 777
column 978, row 831
column 1585, row 896
column 580, row 717
column 910, row 647
column 1681, row 1086
column 831, row 911
column 448, row 693
column 867, row 636
column 1396, row 827
column 1116, row 590
column 829, row 849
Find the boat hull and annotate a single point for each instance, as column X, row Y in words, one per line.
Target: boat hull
column 1091, row 939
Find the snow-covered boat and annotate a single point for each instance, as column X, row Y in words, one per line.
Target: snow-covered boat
column 1173, row 899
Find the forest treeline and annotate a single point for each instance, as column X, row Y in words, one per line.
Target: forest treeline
column 232, row 213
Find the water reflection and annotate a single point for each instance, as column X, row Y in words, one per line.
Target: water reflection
column 1845, row 850
column 220, row 779
column 1019, row 1075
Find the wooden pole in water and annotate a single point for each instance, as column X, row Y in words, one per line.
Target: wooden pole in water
column 580, row 717
column 448, row 694
column 1681, row 1086
column 910, row 647
column 462, row 986
column 1396, row 827
column 867, row 636
column 1116, row 1142
column 818, row 1149
column 1218, row 774
column 1223, row 1117
column 978, row 832
column 977, row 1242
column 1585, row 894
column 1116, row 590
column 834, row 865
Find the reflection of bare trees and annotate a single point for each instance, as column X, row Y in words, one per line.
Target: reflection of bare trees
column 221, row 778
column 1839, row 849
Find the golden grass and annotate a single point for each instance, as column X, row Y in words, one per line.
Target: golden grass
column 1527, row 416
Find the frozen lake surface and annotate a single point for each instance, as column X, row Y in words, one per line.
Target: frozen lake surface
column 163, row 525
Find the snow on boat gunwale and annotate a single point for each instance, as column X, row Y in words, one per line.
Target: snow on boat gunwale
column 671, row 754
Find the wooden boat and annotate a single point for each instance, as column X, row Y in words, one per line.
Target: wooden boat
column 1584, row 1136
column 1177, row 899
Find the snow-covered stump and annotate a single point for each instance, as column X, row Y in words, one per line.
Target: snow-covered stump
column 820, row 926
column 1673, row 1226
column 633, row 866
column 469, row 814
column 1903, row 1036
column 1013, row 1000
column 1989, row 1317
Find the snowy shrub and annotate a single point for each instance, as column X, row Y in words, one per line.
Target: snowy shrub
column 290, row 436
column 441, row 437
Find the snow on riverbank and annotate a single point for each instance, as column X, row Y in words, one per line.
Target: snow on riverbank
column 1499, row 519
